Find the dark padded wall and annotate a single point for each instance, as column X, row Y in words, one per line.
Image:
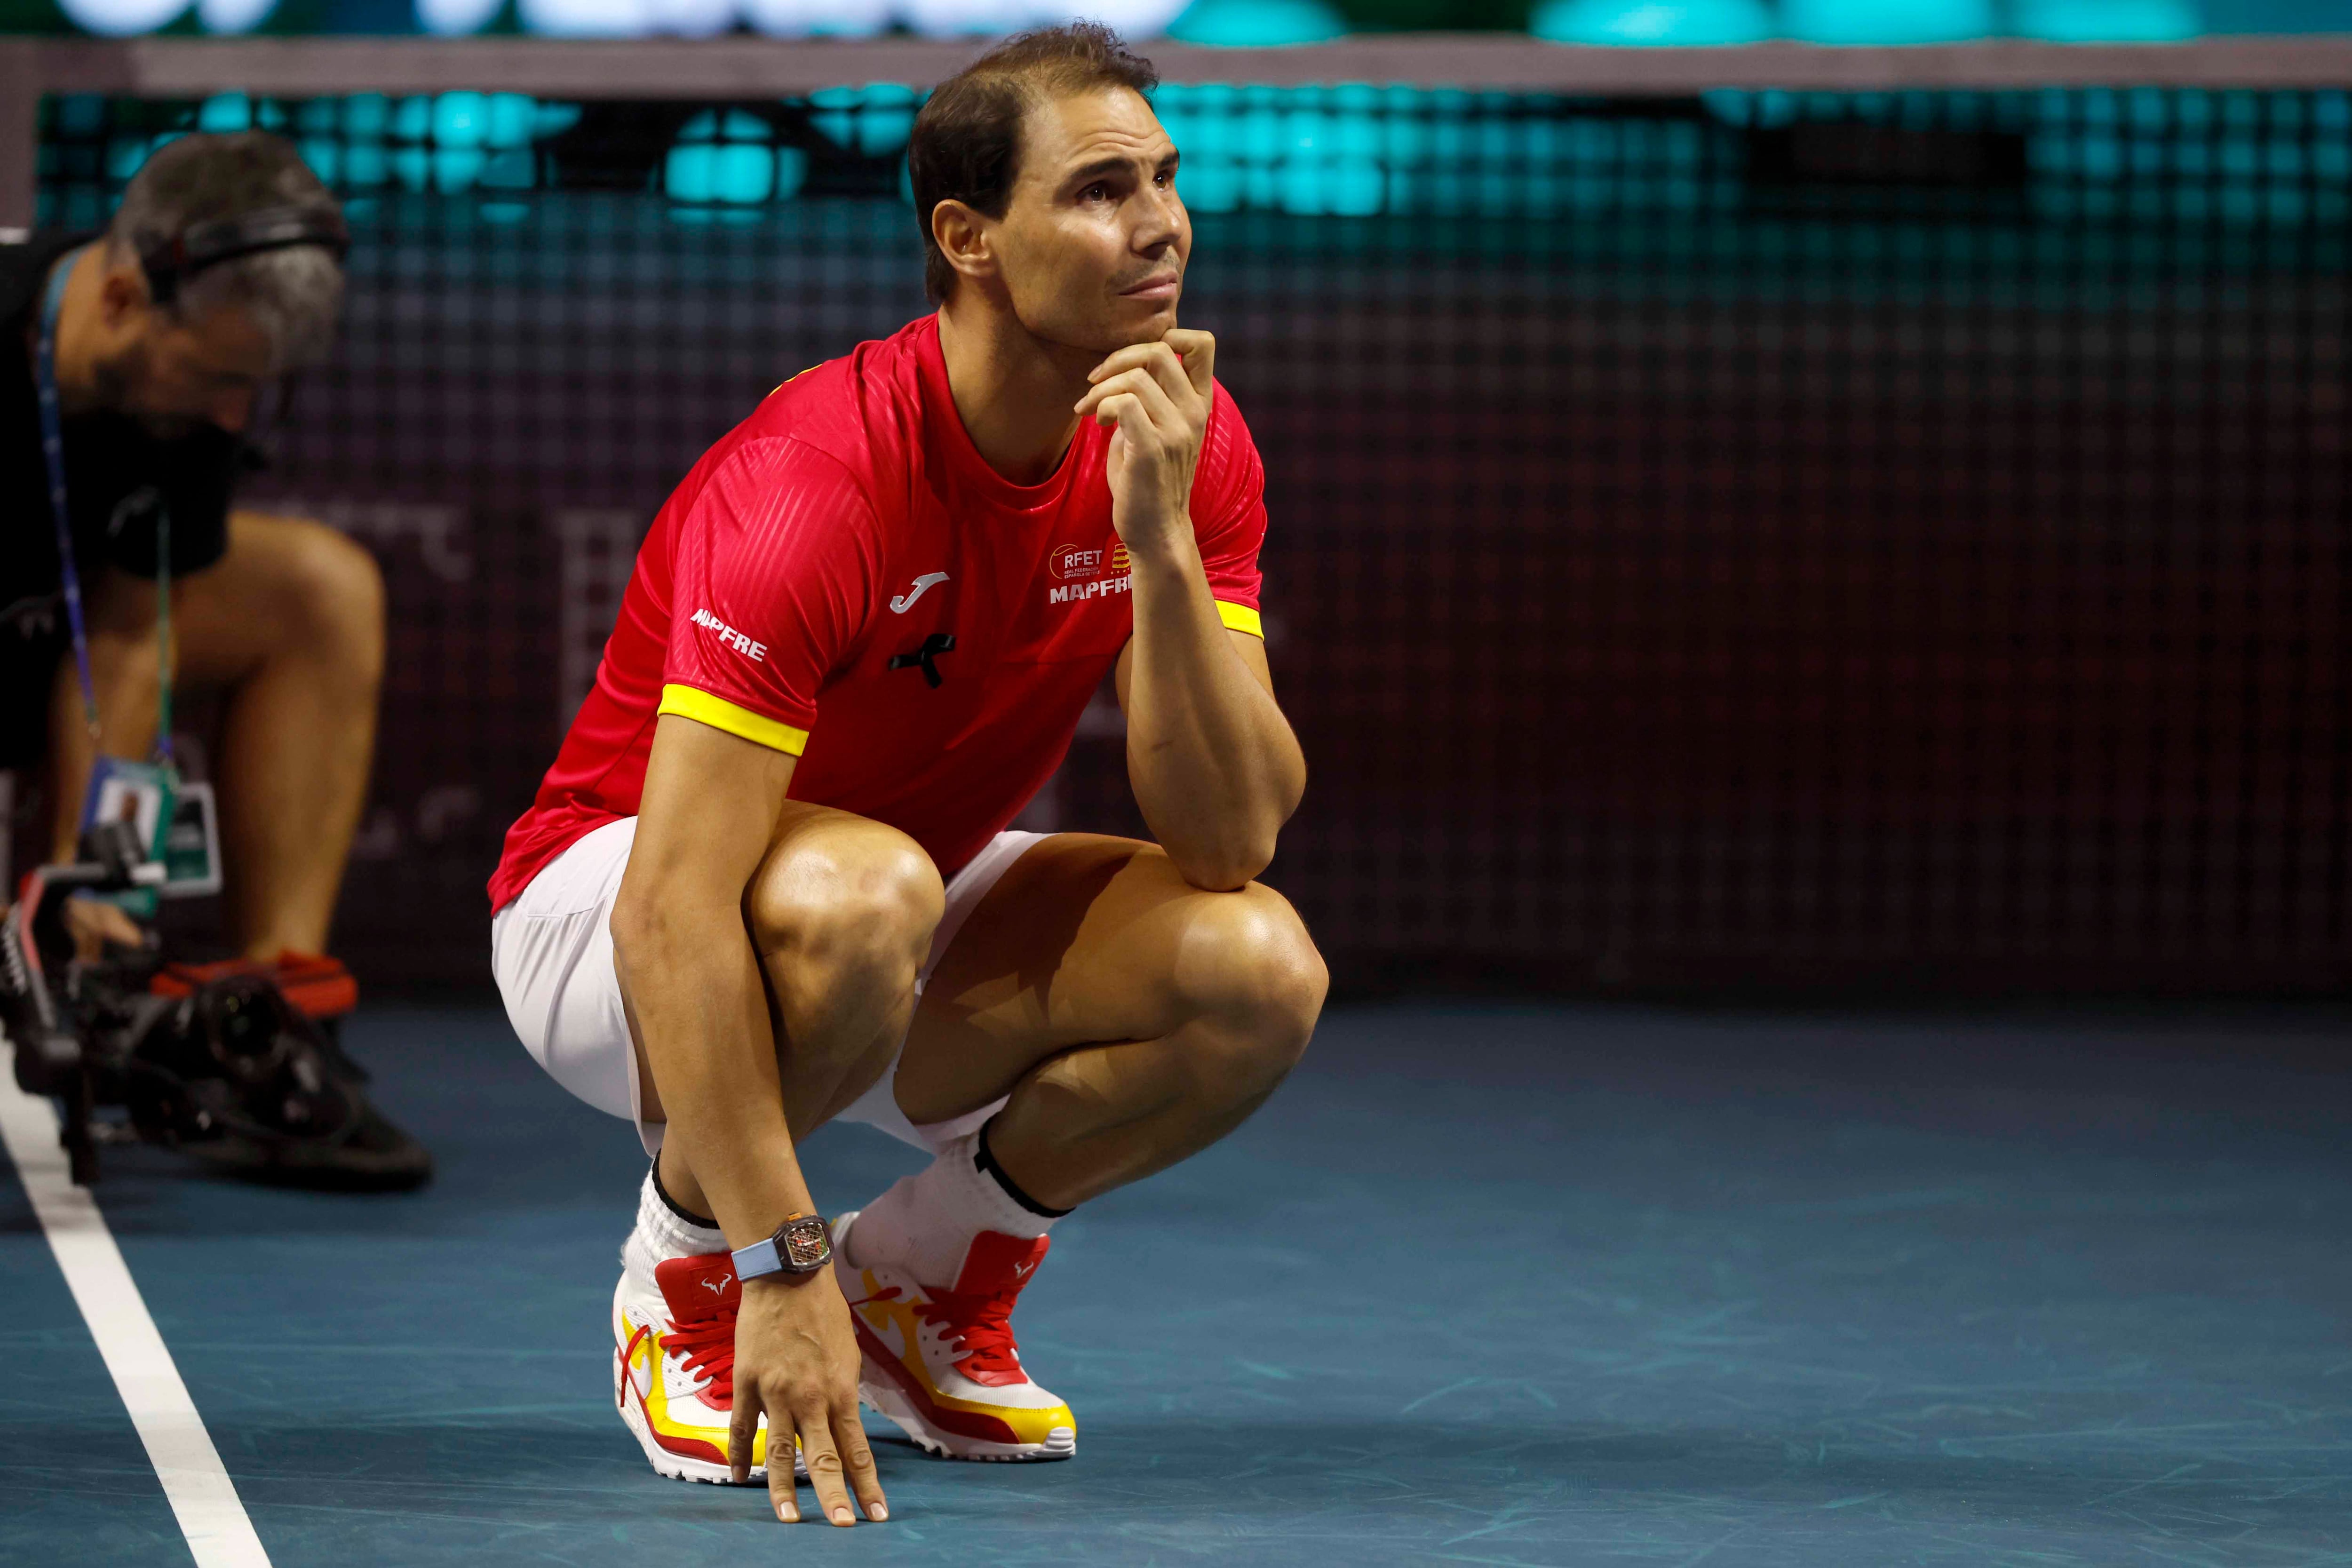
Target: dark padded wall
column 1821, row 549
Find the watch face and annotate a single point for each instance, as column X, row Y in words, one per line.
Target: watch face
column 803, row 1244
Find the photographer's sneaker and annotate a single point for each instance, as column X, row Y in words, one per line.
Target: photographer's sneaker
column 674, row 1364
column 942, row 1364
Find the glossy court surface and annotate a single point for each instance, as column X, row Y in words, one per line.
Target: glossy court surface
column 1481, row 1285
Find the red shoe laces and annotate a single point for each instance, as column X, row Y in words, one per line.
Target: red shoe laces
column 707, row 1347
column 981, row 1325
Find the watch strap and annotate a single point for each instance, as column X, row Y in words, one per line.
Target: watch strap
column 760, row 1257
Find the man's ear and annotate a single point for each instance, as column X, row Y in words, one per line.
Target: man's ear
column 122, row 297
column 964, row 237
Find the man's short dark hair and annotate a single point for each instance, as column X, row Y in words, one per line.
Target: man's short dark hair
column 966, row 145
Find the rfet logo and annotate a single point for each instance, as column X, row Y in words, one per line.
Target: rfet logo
column 1076, row 564
column 1070, row 562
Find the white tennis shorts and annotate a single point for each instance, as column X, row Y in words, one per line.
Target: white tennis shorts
column 551, row 950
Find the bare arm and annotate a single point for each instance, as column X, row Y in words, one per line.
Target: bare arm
column 698, row 1003
column 693, row 982
column 1212, row 761
column 125, row 643
column 125, row 648
column 1214, row 765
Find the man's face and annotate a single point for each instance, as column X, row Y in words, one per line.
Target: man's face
column 173, row 370
column 1092, row 245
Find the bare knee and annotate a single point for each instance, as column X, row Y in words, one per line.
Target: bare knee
column 1248, row 962
column 325, row 590
column 340, row 583
column 850, row 903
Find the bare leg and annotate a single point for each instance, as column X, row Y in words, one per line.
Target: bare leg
column 841, row 915
column 1133, row 1019
column 291, row 623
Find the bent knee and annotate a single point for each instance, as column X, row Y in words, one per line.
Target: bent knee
column 320, row 581
column 851, row 895
column 1249, row 959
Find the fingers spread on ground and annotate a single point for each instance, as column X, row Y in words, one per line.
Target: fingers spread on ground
column 857, row 1458
column 782, row 1495
column 824, row 1466
column 743, row 1424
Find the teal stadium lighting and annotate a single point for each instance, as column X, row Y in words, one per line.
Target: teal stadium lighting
column 229, row 111
column 729, row 161
column 1274, row 23
column 2107, row 21
column 873, row 121
column 129, row 18
column 1256, row 24
column 1886, row 22
column 775, row 19
column 1200, row 121
column 1652, row 22
column 231, row 17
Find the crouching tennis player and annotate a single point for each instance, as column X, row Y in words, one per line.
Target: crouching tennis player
column 859, row 638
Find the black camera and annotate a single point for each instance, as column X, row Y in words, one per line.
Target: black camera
column 215, row 1061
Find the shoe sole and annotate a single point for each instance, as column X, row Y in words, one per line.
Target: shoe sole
column 678, row 1466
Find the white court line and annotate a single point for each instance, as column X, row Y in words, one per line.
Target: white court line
column 201, row 1494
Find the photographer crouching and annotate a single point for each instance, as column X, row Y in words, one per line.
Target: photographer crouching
column 131, row 365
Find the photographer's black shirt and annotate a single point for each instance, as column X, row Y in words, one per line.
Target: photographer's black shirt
column 121, row 478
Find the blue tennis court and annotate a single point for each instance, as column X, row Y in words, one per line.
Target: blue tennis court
column 1506, row 1286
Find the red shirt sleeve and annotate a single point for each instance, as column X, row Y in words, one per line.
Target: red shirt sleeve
column 771, row 580
column 1229, row 514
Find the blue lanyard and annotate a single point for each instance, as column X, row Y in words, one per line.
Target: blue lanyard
column 53, row 448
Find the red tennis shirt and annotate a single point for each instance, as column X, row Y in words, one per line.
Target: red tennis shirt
column 844, row 578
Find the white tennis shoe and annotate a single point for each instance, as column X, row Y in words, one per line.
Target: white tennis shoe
column 940, row 1363
column 674, row 1364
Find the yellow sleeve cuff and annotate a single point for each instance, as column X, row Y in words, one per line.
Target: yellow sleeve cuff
column 1242, row 618
column 691, row 702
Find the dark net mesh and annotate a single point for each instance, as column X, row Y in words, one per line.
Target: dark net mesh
column 1763, row 540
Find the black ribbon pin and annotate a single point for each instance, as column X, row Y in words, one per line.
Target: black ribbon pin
column 933, row 646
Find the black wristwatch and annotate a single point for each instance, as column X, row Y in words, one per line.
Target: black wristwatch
column 801, row 1245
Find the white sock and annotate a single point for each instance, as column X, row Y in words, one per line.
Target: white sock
column 661, row 1234
column 925, row 1223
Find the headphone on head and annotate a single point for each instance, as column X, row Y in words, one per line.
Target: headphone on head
column 170, row 261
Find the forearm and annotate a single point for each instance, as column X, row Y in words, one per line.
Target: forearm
column 700, row 1007
column 124, row 670
column 1213, row 764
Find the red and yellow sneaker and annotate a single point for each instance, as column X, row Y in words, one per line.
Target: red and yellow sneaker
column 942, row 1364
column 674, row 1364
